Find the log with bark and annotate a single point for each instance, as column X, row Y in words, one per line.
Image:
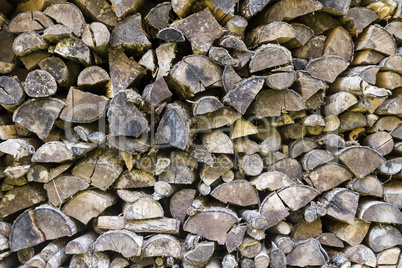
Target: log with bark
column 213, row 133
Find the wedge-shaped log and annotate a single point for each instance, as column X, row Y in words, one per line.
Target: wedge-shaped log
column 218, row 142
column 53, row 223
column 74, row 49
column 11, row 92
column 174, row 127
column 315, row 158
column 250, row 8
column 180, row 202
column 39, row 115
column 81, row 244
column 7, row 61
column 270, row 103
column 212, row 223
column 156, row 93
column 339, row 43
column 369, row 185
column 362, row 255
column 272, row 181
column 327, row 68
column 143, row 208
column 100, row 169
column 162, row 245
column 341, row 204
column 340, row 102
column 377, row 211
column 297, row 196
column 160, row 225
column 376, row 38
column 392, row 193
column 100, row 11
column 383, row 236
column 193, row 74
column 331, row 240
column 29, row 21
column 269, row 56
column 209, row 174
column 123, row 71
column 74, row 21
column 124, row 117
column 20, row 198
column 136, row 41
column 200, row 254
column 25, row 232
column 289, row 166
column 359, row 18
column 201, row 29
column 134, row 179
column 244, row 93
column 219, row 118
column 353, row 234
column 287, row 10
column 328, row 176
column 206, row 104
column 124, row 242
column 238, row 192
column 62, row 187
column 360, row 160
column 27, row 43
column 307, row 253
column 18, row 148
column 280, row 32
column 392, row 63
column 273, row 209
column 83, row 107
column 89, row 204
column 243, row 128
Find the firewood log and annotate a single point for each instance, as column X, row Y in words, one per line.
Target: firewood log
column 358, row 18
column 381, row 237
column 101, row 11
column 125, row 242
column 75, row 21
column 377, row 211
column 28, row 42
column 157, row 246
column 315, row 254
column 362, row 255
column 81, row 244
column 101, row 259
column 29, row 21
column 7, row 60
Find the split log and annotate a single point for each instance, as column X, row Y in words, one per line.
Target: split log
column 297, row 196
column 219, row 220
column 369, row 185
column 125, row 242
column 330, row 239
column 377, row 211
column 207, row 30
column 312, row 49
column 75, row 21
column 54, row 33
column 123, row 71
column 7, row 59
column 238, row 192
column 200, row 255
column 328, row 176
column 18, row 148
column 271, row 181
column 206, row 104
column 158, row 16
column 28, row 42
column 180, row 202
column 315, row 158
column 222, row 57
column 268, row 56
column 29, row 21
column 318, row 68
column 209, row 174
column 273, row 209
column 235, row 237
column 51, row 249
column 358, row 18
column 353, row 234
column 273, row 102
column 217, row 142
column 200, row 73
column 341, row 204
column 362, row 255
column 135, row 210
column 280, row 32
column 250, row 247
column 53, row 152
column 360, row 160
column 339, row 43
column 162, row 245
column 382, row 237
column 155, row 94
column 81, row 244
column 243, row 128
column 389, row 256
column 160, row 225
column 62, row 187
column 307, row 253
column 101, row 11
column 217, row 119
column 91, row 203
column 63, row 73
column 376, row 38
column 36, row 261
column 11, row 92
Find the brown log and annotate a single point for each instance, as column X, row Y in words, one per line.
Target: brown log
column 134, row 210
column 305, row 230
column 209, row 174
column 11, row 92
column 62, row 187
column 274, row 102
column 53, row 152
column 330, row 239
column 239, row 192
column 312, row 49
column 389, row 256
column 328, row 176
column 318, row 68
column 358, row 18
column 217, row 142
column 180, row 202
column 40, row 83
column 64, row 73
column 250, row 247
column 75, row 21
column 391, row 193
column 54, row 33
column 273, row 210
column 319, row 21
column 339, row 43
column 393, row 28
column 7, row 59
column 201, row 29
column 376, row 38
column 280, row 32
column 389, row 80
column 51, row 249
column 165, row 54
column 200, row 255
column 271, row 181
column 36, row 261
column 297, row 196
column 91, row 204
column 158, row 16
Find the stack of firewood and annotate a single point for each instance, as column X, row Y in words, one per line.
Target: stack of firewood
column 210, row 133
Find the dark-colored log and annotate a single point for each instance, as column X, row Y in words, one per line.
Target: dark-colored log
column 29, row 21
column 74, row 21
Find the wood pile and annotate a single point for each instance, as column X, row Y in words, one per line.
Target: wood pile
column 211, row 133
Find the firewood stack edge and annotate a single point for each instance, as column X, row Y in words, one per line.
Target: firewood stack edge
column 210, row 133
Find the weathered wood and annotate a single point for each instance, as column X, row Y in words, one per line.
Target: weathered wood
column 91, row 203
column 135, row 209
column 125, row 242
column 74, row 49
column 273, row 210
column 328, row 176
column 11, row 92
column 307, row 253
column 100, row 11
column 329, row 239
column 180, row 202
column 341, row 204
column 362, row 255
column 238, row 192
column 160, row 225
column 162, row 245
column 28, row 42
column 200, row 254
column 7, row 58
column 81, row 244
column 100, row 259
column 381, row 237
column 360, row 160
column 62, row 187
column 29, row 21
column 318, row 68
column 263, row 57
column 217, row 142
column 219, row 219
column 377, row 211
column 274, row 102
column 75, row 21
column 368, row 185
column 389, row 256
column 358, row 18
column 56, row 32
column 40, row 83
column 201, row 29
column 376, row 38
